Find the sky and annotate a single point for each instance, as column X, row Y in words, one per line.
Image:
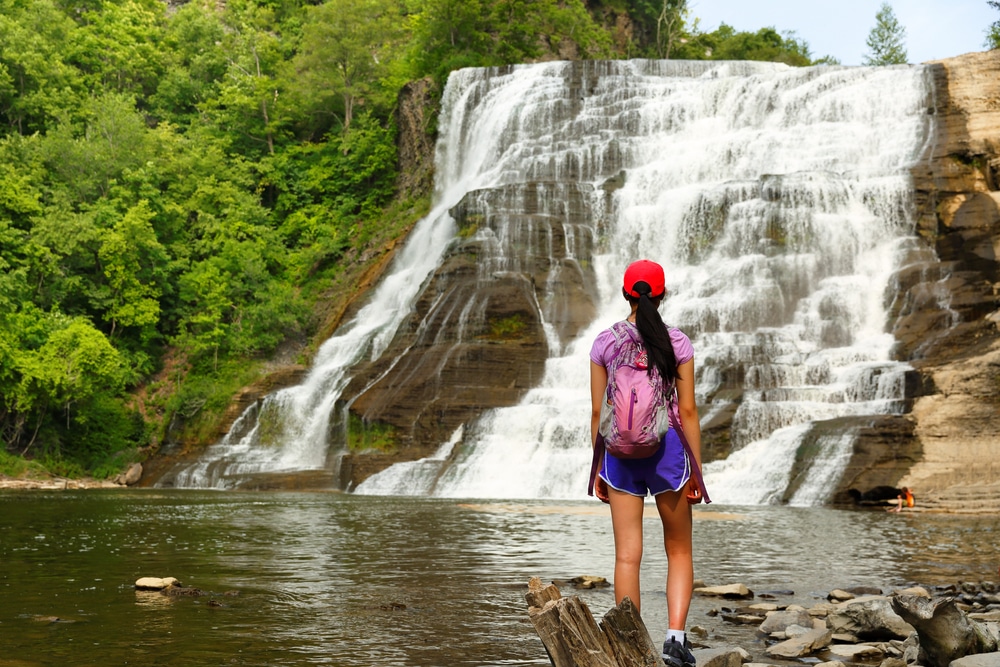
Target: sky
column 935, row 29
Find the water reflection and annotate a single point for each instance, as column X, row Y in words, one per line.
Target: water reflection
column 347, row 580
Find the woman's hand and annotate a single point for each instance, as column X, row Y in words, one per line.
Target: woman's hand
column 601, row 490
column 693, row 493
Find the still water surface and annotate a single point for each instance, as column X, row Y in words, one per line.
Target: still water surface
column 331, row 579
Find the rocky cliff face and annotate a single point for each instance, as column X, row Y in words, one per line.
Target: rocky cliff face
column 946, row 305
column 475, row 339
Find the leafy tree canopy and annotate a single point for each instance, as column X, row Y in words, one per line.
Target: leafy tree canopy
column 887, row 39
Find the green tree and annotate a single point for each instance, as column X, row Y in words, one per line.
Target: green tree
column 113, row 137
column 725, row 43
column 117, row 46
column 130, row 255
column 247, row 97
column 660, row 23
column 346, row 45
column 886, row 41
column 74, row 364
column 993, row 32
column 36, row 81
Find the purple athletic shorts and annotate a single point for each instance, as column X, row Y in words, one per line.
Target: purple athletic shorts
column 666, row 470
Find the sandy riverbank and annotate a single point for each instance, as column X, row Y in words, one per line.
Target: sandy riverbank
column 56, row 483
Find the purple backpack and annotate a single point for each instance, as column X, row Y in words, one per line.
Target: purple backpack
column 636, row 413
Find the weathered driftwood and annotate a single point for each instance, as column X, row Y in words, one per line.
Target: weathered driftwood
column 945, row 632
column 573, row 639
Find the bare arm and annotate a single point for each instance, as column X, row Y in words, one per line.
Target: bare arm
column 598, row 389
column 688, row 408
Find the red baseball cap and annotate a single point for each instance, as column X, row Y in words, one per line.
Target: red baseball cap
column 645, row 271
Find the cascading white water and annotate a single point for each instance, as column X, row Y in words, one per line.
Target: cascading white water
column 779, row 200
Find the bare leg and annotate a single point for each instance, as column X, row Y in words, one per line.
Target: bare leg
column 675, row 513
column 626, row 522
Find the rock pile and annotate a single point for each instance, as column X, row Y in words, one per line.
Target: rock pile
column 914, row 626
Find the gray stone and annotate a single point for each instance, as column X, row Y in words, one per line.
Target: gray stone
column 778, row 621
column 868, row 618
column 855, row 652
column 919, row 591
column 800, row 646
column 738, row 591
column 893, row 662
column 978, row 660
column 133, row 474
column 718, row 657
column 840, row 596
column 155, row 583
column 797, row 631
column 986, row 616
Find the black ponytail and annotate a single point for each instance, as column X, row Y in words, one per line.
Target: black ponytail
column 654, row 332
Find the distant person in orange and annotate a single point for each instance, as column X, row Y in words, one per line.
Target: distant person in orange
column 905, row 497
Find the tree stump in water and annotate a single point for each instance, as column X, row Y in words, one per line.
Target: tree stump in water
column 573, row 639
column 945, row 632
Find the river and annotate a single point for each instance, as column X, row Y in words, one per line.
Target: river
column 335, row 579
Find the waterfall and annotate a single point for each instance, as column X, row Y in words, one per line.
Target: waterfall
column 780, row 203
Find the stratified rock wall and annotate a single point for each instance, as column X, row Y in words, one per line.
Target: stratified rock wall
column 475, row 339
column 946, row 301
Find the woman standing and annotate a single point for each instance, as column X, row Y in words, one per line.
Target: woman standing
column 666, row 474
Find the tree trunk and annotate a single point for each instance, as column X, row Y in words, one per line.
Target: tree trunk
column 573, row 639
column 945, row 632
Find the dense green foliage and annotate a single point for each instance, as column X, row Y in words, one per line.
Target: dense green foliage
column 993, row 31
column 887, row 39
column 181, row 186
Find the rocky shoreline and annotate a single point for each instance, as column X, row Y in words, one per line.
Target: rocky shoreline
column 56, row 483
column 129, row 477
column 956, row 625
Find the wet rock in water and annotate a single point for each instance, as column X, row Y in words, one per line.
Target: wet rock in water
column 837, row 595
column 822, row 610
column 978, row 660
column 743, row 619
column 182, row 591
column 893, row 662
column 779, row 621
column 801, row 646
column 919, row 591
column 155, row 583
column 856, row 652
column 588, row 582
column 718, row 657
column 990, row 616
column 793, row 631
column 734, row 591
column 944, row 632
column 868, row 618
